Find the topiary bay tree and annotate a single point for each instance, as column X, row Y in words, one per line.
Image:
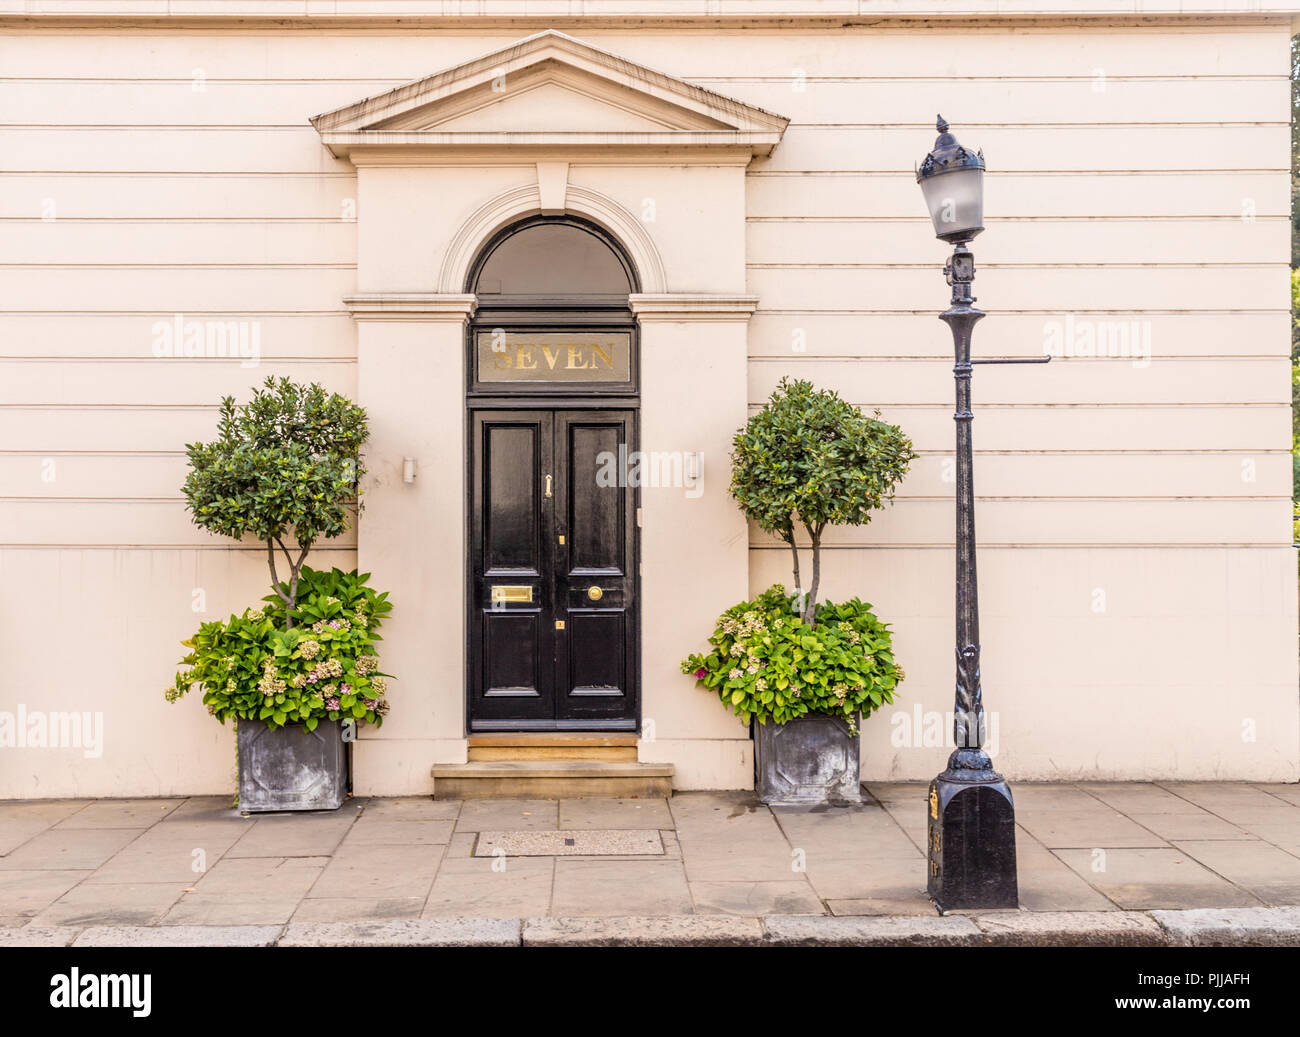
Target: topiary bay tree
column 284, row 466
column 808, row 457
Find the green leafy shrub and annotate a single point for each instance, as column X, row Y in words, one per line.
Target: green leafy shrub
column 811, row 458
column 323, row 667
column 767, row 663
column 284, row 466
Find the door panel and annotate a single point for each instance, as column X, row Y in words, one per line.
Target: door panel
column 593, row 579
column 553, row 627
column 512, row 654
column 595, row 502
column 512, row 525
column 510, row 646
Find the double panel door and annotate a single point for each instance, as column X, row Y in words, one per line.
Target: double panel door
column 553, row 609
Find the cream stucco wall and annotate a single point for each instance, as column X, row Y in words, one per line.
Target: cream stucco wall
column 1136, row 570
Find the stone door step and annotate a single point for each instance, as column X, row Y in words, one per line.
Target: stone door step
column 570, row 745
column 551, row 779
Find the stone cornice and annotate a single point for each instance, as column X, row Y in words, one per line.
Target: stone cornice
column 522, row 15
column 686, row 306
column 420, row 307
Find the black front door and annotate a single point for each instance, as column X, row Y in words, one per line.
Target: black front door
column 553, row 629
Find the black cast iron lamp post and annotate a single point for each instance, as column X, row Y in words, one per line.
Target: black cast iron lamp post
column 972, row 828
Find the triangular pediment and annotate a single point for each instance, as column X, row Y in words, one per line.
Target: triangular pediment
column 545, row 91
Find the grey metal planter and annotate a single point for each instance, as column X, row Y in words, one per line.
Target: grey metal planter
column 808, row 761
column 291, row 768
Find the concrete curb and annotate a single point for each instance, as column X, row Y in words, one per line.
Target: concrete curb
column 411, row 932
column 1232, row 927
column 1235, row 927
column 178, row 936
column 869, row 931
column 1070, row 929
column 666, row 931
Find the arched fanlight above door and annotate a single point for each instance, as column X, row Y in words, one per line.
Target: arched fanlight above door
column 553, row 314
column 552, row 261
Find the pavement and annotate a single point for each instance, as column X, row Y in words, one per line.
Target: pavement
column 1099, row 863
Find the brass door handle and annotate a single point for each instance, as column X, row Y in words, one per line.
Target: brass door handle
column 548, row 486
column 595, row 593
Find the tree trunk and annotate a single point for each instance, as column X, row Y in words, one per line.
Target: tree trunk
column 275, row 579
column 794, row 550
column 295, row 567
column 811, row 606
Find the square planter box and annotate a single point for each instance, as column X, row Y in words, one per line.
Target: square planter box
column 808, row 761
column 291, row 768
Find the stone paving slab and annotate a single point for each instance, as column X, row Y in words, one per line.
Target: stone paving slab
column 85, row 905
column 431, row 932
column 379, row 871
column 614, row 887
column 595, row 812
column 475, row 887
column 1151, row 879
column 24, row 894
column 411, row 808
column 69, row 849
column 479, row 815
column 120, row 813
column 685, row 931
column 746, row 899
column 380, row 831
column 357, row 909
column 303, row 835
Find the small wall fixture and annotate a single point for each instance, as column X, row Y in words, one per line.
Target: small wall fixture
column 408, row 469
column 694, row 465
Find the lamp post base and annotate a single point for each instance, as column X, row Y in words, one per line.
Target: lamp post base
column 972, row 836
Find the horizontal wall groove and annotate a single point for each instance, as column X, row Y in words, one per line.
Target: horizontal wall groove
column 1005, row 312
column 1062, row 453
column 66, row 312
column 259, row 551
column 1249, row 264
column 1079, row 78
column 249, row 266
column 947, row 356
column 770, row 174
column 925, row 498
column 972, row 127
column 1084, row 545
column 925, row 220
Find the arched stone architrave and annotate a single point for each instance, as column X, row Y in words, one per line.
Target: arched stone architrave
column 520, row 202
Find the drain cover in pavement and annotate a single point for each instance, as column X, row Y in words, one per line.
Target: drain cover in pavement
column 588, row 843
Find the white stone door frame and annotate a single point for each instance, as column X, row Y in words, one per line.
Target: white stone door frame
column 445, row 163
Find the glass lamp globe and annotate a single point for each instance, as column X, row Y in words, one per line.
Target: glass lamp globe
column 952, row 181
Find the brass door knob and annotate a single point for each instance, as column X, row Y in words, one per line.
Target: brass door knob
column 595, row 593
